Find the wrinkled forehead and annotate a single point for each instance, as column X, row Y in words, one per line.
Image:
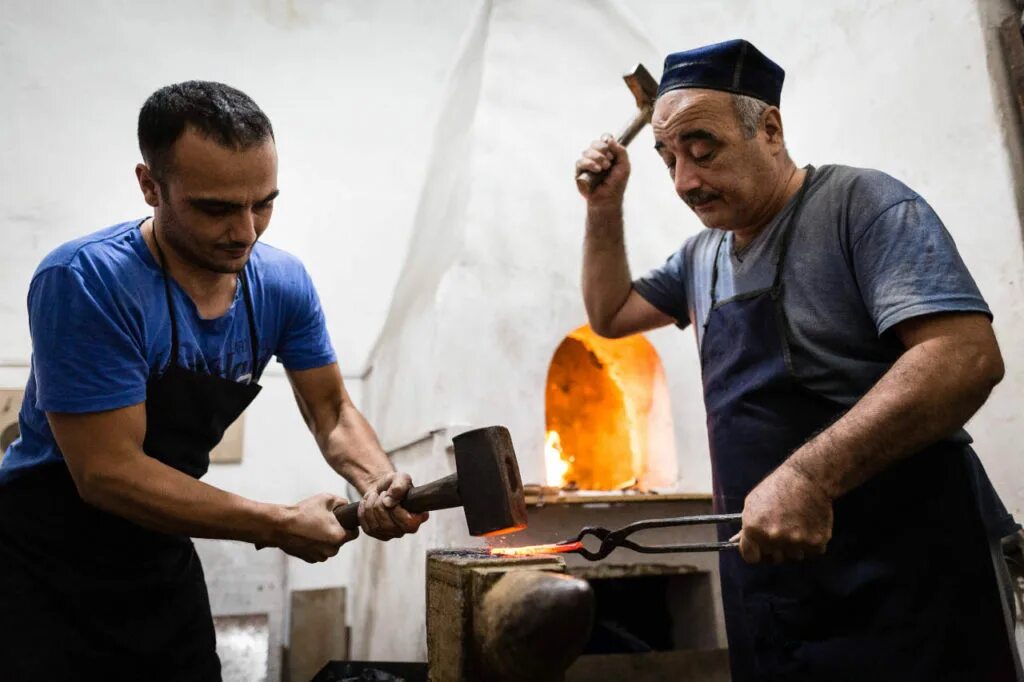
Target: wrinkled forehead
column 677, row 111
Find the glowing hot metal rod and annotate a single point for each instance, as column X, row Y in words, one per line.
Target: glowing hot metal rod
column 613, row 539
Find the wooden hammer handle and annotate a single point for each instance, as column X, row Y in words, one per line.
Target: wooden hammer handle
column 587, row 181
column 440, row 494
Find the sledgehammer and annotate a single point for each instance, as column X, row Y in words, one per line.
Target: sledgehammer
column 486, row 485
column 645, row 90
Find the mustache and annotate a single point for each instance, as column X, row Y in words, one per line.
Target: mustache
column 699, row 196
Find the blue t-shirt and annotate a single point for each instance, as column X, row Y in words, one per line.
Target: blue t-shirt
column 101, row 329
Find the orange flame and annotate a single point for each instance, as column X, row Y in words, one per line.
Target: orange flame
column 555, row 461
column 530, row 550
column 607, row 415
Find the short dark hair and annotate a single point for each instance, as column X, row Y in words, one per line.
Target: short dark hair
column 217, row 111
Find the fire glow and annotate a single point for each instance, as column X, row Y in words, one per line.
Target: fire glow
column 608, row 421
column 555, row 461
column 530, row 550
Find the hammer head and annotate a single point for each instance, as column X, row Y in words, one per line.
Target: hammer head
column 642, row 85
column 489, row 482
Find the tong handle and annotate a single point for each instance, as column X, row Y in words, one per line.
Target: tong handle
column 611, row 540
column 676, row 549
column 676, row 521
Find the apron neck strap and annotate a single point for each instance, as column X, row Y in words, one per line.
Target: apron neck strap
column 787, row 230
column 170, row 299
column 714, row 274
column 253, row 338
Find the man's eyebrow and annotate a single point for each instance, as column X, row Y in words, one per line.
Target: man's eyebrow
column 206, row 202
column 210, row 202
column 270, row 197
column 699, row 134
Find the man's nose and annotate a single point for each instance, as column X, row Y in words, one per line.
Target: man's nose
column 243, row 228
column 686, row 177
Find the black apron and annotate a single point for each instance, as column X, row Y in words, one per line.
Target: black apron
column 87, row 595
column 906, row 590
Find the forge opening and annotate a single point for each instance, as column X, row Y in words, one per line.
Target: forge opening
column 608, row 415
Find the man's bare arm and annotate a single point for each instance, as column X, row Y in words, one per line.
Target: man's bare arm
column 614, row 308
column 103, row 451
column 350, row 446
column 951, row 364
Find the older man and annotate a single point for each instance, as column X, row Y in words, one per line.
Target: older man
column 843, row 346
column 149, row 338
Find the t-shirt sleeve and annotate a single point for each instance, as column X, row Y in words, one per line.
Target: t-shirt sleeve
column 305, row 343
column 87, row 355
column 665, row 288
column 907, row 265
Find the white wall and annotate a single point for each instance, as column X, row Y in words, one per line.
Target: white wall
column 354, row 90
column 350, row 87
column 491, row 287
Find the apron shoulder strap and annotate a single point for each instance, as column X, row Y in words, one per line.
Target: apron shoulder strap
column 253, row 337
column 173, row 359
column 787, row 231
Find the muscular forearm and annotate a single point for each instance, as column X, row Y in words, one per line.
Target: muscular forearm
column 929, row 393
column 606, row 277
column 351, row 447
column 158, row 497
column 345, row 438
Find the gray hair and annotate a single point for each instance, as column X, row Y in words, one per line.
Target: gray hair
column 748, row 113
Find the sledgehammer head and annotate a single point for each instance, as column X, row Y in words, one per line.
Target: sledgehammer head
column 489, row 482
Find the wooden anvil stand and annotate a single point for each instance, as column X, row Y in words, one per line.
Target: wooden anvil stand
column 503, row 619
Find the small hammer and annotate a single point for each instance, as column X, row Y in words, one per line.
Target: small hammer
column 486, row 485
column 645, row 90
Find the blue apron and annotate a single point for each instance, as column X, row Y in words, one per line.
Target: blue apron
column 906, row 590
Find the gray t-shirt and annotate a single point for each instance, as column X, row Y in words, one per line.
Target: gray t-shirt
column 865, row 253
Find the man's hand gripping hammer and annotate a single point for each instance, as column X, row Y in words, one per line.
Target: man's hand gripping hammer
column 645, row 90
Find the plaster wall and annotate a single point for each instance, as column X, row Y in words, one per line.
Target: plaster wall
column 351, row 88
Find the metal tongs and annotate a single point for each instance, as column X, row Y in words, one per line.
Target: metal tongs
column 613, row 539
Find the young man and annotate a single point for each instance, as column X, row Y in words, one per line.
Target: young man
column 149, row 339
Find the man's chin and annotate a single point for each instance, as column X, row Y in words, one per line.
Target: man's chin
column 711, row 214
column 712, row 219
column 226, row 266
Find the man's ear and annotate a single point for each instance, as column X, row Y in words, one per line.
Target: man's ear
column 148, row 184
column 772, row 128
